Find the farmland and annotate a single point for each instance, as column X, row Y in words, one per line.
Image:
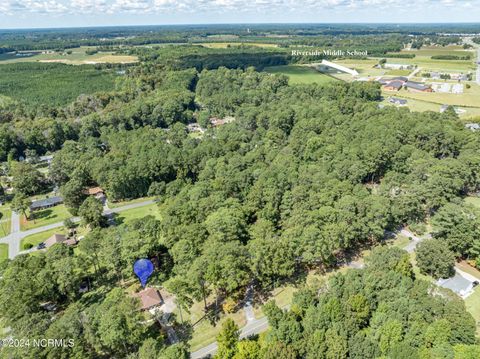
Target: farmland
column 39, row 83
column 75, row 56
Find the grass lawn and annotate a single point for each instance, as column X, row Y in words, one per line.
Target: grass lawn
column 124, row 203
column 5, row 220
column 472, row 303
column 38, row 238
column 46, row 216
column 300, row 74
column 469, row 99
column 136, row 213
column 204, row 332
column 473, row 200
column 398, row 72
column 3, row 251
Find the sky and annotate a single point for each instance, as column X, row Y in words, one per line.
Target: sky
column 79, row 13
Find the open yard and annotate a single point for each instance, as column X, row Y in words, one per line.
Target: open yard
column 38, row 238
column 135, row 213
column 3, row 251
column 204, row 332
column 300, row 74
column 124, row 203
column 5, row 220
column 44, row 217
column 78, row 56
column 472, row 303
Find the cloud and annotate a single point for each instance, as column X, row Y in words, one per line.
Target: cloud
column 14, row 7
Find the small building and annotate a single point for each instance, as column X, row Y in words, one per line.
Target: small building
column 418, row 87
column 473, row 126
column 400, row 78
column 216, row 122
column 328, row 64
column 397, row 66
column 45, row 203
column 97, row 192
column 150, row 298
column 397, row 101
column 56, row 238
column 393, row 86
column 195, row 127
column 46, row 159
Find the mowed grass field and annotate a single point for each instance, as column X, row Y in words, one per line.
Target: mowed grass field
column 77, row 57
column 300, row 74
column 3, row 251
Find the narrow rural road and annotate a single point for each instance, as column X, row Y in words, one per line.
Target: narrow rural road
column 256, row 326
column 16, row 235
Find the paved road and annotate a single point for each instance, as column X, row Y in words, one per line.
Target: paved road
column 256, row 326
column 16, row 235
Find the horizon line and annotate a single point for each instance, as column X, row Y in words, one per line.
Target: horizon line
column 241, row 23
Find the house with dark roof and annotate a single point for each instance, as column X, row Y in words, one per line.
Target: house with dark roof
column 400, row 78
column 46, row 203
column 397, row 101
column 418, row 87
column 393, row 86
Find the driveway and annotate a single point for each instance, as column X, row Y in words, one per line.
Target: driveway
column 16, row 235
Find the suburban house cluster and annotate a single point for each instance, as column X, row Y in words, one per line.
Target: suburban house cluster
column 397, row 83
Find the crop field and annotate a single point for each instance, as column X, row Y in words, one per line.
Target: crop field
column 224, row 45
column 77, row 57
column 300, row 74
column 52, row 84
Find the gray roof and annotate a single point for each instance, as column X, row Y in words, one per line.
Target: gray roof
column 395, row 84
column 457, row 283
column 46, row 202
column 400, row 78
column 398, row 100
column 416, row 85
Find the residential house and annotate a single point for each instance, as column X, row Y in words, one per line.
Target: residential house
column 397, row 101
column 97, row 192
column 150, row 298
column 45, row 203
column 393, row 86
column 418, row 87
column 473, row 126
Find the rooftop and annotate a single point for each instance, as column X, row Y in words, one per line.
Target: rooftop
column 47, row 202
column 56, row 238
column 416, row 85
column 149, row 297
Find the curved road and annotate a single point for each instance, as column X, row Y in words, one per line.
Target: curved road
column 16, row 235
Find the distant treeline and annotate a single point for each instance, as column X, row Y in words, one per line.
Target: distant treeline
column 451, row 57
column 400, row 56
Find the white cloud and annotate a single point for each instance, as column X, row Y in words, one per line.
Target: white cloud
column 13, row 7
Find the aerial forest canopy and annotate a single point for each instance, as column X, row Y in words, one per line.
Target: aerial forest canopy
column 303, row 176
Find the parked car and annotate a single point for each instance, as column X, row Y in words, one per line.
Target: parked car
column 475, row 283
column 41, row 246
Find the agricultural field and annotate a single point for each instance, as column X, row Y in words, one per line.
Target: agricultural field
column 52, row 84
column 224, row 45
column 300, row 74
column 78, row 56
